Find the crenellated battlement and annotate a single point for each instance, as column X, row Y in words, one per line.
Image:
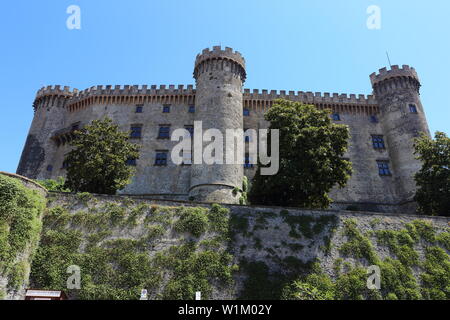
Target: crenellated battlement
column 217, row 52
column 311, row 97
column 56, row 90
column 218, row 59
column 396, row 71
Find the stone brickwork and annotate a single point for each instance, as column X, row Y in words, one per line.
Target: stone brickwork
column 219, row 102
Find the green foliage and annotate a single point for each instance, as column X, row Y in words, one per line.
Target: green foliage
column 193, row 271
column 97, row 162
column 311, row 158
column 54, row 185
column 119, row 268
column 400, row 243
column 444, row 239
column 20, row 225
column 436, row 278
column 357, row 245
column 420, row 229
column 307, row 225
column 433, row 179
column 192, row 220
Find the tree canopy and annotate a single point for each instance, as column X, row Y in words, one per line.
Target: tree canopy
column 433, row 179
column 97, row 162
column 311, row 158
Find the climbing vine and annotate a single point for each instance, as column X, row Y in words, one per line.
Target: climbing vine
column 20, row 225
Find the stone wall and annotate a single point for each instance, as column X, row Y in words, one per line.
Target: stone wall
column 277, row 244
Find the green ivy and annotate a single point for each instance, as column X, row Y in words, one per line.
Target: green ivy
column 21, row 210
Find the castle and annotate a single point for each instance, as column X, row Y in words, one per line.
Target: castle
column 382, row 127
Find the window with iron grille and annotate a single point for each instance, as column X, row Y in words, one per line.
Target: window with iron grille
column 373, row 118
column 336, row 117
column 378, row 142
column 246, row 112
column 191, row 109
column 164, row 132
column 161, row 158
column 383, row 168
column 139, row 109
column 166, row 108
column 136, row 131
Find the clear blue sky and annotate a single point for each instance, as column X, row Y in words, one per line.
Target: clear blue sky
column 289, row 45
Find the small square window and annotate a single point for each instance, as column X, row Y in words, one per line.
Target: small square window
column 246, row 112
column 166, row 108
column 412, row 108
column 161, row 158
column 65, row 165
column 373, row 119
column 383, row 168
column 131, row 162
column 191, row 109
column 164, row 132
column 187, row 158
column 336, row 117
column 247, row 162
column 190, row 129
column 246, row 136
column 139, row 109
column 378, row 142
column 136, row 132
column 49, row 168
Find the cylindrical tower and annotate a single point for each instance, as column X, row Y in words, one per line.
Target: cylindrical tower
column 219, row 76
column 49, row 116
column 402, row 119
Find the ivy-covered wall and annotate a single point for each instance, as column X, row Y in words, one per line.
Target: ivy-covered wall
column 22, row 204
column 173, row 249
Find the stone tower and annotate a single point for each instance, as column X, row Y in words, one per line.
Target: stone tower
column 219, row 76
column 403, row 119
column 49, row 117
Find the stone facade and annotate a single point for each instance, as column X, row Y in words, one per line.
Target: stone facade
column 382, row 127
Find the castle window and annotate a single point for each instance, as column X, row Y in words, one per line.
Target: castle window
column 187, row 158
column 336, row 117
column 139, row 109
column 246, row 112
column 191, row 109
column 166, row 108
column 75, row 126
column 190, row 129
column 412, row 108
column 383, row 168
column 378, row 142
column 247, row 162
column 373, row 118
column 136, row 131
column 164, row 132
column 65, row 164
column 49, row 168
column 161, row 158
column 246, row 136
column 131, row 162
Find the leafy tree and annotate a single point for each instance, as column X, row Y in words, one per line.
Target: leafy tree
column 433, row 179
column 54, row 185
column 311, row 163
column 97, row 163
